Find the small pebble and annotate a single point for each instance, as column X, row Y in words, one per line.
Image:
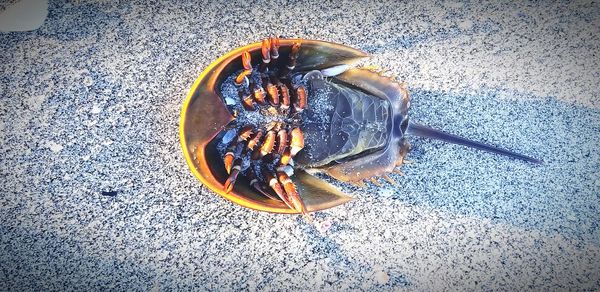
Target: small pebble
column 54, row 147
column 325, row 226
column 381, row 277
column 229, row 101
column 110, row 193
column 229, row 136
column 96, row 109
column 88, row 81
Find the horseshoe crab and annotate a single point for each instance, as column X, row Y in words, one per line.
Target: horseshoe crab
column 255, row 132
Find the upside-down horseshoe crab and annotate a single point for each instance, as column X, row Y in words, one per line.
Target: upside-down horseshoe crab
column 262, row 118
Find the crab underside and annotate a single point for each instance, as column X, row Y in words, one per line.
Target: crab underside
column 261, row 119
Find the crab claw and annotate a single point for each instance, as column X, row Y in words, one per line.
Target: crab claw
column 265, row 52
column 278, row 189
column 290, row 189
column 235, row 171
column 255, row 183
column 232, row 151
column 228, row 161
column 285, row 157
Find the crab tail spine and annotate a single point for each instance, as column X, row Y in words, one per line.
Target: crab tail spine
column 427, row 132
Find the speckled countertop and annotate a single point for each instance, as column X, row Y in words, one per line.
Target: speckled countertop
column 90, row 103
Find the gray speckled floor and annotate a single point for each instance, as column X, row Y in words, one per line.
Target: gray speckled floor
column 90, row 103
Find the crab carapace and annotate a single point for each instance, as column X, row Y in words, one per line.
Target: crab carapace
column 261, row 120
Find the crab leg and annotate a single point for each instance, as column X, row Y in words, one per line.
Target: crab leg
column 245, row 133
column 235, row 171
column 258, row 93
column 296, row 144
column 255, row 183
column 230, row 156
column 267, row 146
column 277, row 188
column 285, row 157
column 247, row 100
column 235, row 148
column 254, row 140
column 266, row 55
column 283, row 94
column 301, row 99
column 281, row 141
column 292, row 59
column 242, row 78
column 273, row 93
column 293, row 56
column 285, row 97
column 247, row 61
column 290, row 189
column 274, row 50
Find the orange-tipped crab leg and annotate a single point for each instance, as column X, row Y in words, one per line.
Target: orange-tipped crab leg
column 267, row 146
column 297, row 142
column 291, row 64
column 265, row 52
column 235, row 171
column 245, row 133
column 259, row 93
column 276, row 186
column 281, row 141
column 242, row 78
column 255, row 183
column 228, row 161
column 290, row 189
column 247, row 100
column 254, row 140
column 285, row 97
column 301, row 97
column 274, row 48
column 273, row 93
column 274, row 41
column 293, row 56
column 247, row 61
column 236, row 147
column 285, row 157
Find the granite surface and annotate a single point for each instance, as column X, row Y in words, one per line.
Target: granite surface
column 96, row 193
